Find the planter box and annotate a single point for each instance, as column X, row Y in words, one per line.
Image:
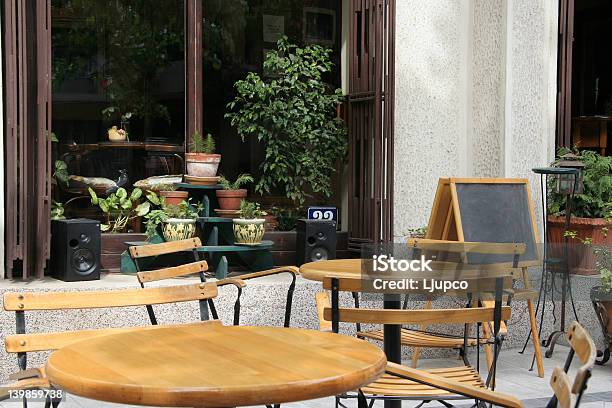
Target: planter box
column 112, row 247
column 581, row 260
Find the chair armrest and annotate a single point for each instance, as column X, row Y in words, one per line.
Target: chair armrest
column 322, row 299
column 30, row 379
column 294, row 270
column 482, row 394
column 238, row 282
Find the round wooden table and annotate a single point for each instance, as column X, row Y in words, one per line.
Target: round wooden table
column 215, row 366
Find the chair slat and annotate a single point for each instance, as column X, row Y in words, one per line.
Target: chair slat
column 21, row 343
column 422, row 316
column 100, row 299
column 560, row 383
column 492, row 248
column 140, row 251
column 172, row 272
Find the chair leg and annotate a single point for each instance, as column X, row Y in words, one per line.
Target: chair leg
column 536, row 338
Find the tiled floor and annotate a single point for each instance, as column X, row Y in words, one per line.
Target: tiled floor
column 513, row 378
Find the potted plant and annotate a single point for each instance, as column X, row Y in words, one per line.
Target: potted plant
column 120, row 208
column 230, row 197
column 176, row 221
column 171, row 195
column 249, row 228
column 591, row 216
column 292, row 112
column 602, row 295
column 201, row 159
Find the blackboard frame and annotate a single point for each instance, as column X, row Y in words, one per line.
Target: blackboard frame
column 446, row 223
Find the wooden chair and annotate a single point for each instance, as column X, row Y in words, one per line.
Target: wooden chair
column 454, row 254
column 566, row 393
column 197, row 267
column 138, row 252
column 23, row 343
column 392, row 387
column 520, row 274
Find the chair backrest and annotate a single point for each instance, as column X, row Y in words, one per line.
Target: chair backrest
column 141, row 251
column 568, row 394
column 172, row 272
column 337, row 314
column 33, row 301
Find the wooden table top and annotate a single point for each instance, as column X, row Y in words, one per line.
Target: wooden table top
column 352, row 269
column 345, row 268
column 215, row 366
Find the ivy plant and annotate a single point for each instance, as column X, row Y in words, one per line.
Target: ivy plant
column 292, row 111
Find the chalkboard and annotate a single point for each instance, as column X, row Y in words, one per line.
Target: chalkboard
column 491, row 212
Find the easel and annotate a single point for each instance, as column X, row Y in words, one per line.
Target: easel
column 445, row 224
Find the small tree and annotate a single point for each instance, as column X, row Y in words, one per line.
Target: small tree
column 293, row 112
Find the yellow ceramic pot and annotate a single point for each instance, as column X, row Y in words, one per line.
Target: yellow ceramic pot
column 174, row 229
column 248, row 232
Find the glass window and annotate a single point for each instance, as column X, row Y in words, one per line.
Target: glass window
column 118, row 89
column 237, row 35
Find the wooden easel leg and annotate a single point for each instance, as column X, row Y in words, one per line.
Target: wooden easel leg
column 486, row 333
column 536, row 338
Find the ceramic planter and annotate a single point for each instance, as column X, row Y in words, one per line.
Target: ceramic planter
column 174, row 197
column 581, row 260
column 202, row 164
column 174, row 229
column 248, row 232
column 230, row 199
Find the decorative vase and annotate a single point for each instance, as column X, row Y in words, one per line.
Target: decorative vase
column 116, row 135
column 174, row 229
column 202, row 164
column 230, row 199
column 174, row 197
column 248, row 232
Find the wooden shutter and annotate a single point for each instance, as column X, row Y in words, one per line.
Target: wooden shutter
column 564, row 73
column 27, row 147
column 370, row 118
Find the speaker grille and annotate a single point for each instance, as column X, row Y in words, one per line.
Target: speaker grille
column 83, row 260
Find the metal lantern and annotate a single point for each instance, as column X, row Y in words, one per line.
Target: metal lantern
column 566, row 182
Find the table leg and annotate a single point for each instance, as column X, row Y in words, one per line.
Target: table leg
column 392, row 339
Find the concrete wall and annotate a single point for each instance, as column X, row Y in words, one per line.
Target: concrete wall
column 475, row 95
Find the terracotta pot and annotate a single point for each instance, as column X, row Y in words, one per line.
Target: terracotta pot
column 174, row 197
column 202, row 164
column 248, row 232
column 230, row 199
column 581, row 257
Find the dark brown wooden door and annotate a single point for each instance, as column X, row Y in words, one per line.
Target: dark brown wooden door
column 564, row 73
column 370, row 118
column 27, row 158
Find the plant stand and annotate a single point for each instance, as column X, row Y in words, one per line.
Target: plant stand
column 559, row 265
column 598, row 297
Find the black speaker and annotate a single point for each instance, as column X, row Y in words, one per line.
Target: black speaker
column 316, row 240
column 75, row 249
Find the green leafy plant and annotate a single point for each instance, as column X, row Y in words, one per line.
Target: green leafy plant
column 164, row 187
column 242, row 180
column 603, row 262
column 417, row 232
column 60, row 172
column 287, row 218
column 596, row 199
column 185, row 210
column 201, row 144
column 250, row 210
column 120, row 208
column 293, row 113
column 57, row 210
